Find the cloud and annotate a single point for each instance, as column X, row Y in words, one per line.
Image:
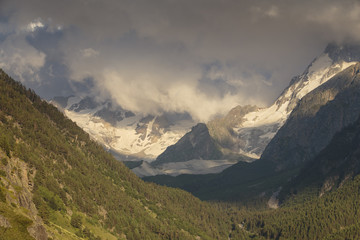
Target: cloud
column 272, row 12
column 340, row 18
column 89, row 52
column 32, row 26
column 201, row 57
column 21, row 59
column 178, row 97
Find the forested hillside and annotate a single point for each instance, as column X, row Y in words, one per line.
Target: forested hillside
column 334, row 215
column 57, row 183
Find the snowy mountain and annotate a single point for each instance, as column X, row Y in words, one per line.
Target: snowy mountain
column 316, row 119
column 129, row 136
column 253, row 130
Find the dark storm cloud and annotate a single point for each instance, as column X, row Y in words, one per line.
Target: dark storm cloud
column 201, row 57
column 54, row 74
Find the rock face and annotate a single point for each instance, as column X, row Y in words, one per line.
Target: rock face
column 20, row 185
column 346, row 52
column 4, row 222
column 222, row 129
column 316, row 119
column 85, row 103
column 336, row 163
column 196, row 144
column 113, row 116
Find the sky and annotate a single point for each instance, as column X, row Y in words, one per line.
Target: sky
column 202, row 57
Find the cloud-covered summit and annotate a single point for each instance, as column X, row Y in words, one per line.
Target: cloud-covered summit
column 201, row 57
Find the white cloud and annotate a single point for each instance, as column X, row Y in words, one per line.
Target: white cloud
column 20, row 59
column 273, row 11
column 143, row 95
column 264, row 12
column 32, row 26
column 89, row 52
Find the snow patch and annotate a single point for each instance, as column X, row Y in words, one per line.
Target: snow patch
column 123, row 138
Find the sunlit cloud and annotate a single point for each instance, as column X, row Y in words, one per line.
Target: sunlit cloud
column 32, row 26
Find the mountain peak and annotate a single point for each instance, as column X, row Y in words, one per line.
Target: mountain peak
column 200, row 128
column 196, row 144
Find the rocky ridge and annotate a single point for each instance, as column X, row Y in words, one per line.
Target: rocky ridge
column 18, row 179
column 316, row 119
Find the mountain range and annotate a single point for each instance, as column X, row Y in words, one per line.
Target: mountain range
column 246, row 131
column 302, row 122
column 159, row 144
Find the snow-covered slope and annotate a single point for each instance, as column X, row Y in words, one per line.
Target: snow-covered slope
column 123, row 132
column 257, row 128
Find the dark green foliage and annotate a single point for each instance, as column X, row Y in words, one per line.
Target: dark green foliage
column 86, row 233
column 76, row 221
column 52, row 200
column 5, row 144
column 334, row 214
column 349, row 233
